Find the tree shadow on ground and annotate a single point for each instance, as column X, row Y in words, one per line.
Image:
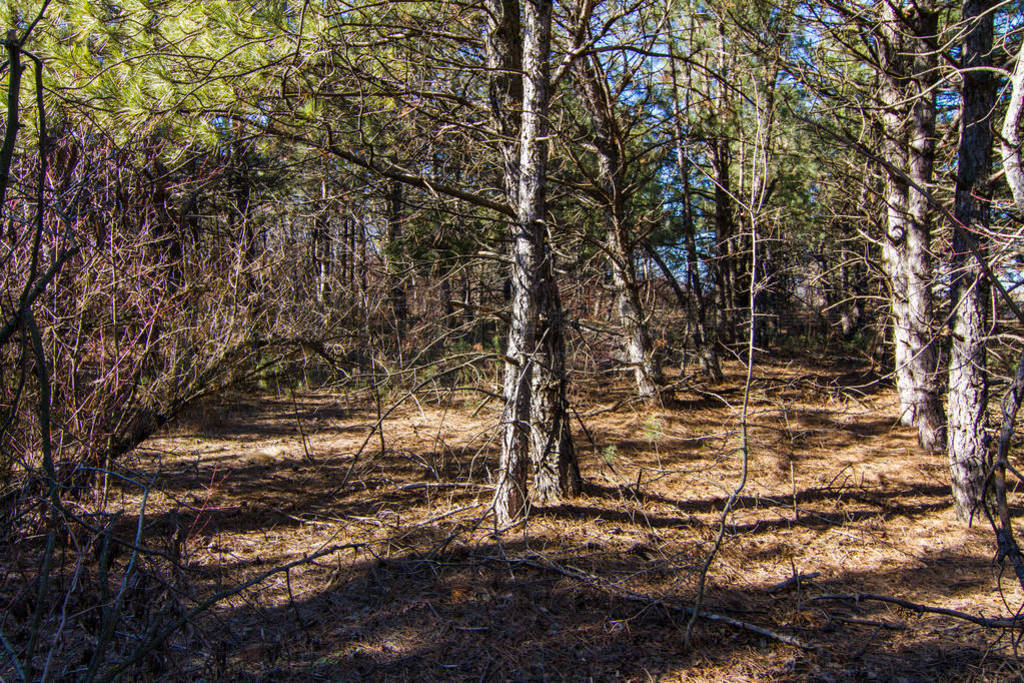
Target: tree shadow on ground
column 888, row 500
column 497, row 612
column 267, row 416
column 211, row 499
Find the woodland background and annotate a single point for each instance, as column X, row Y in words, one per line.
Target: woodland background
column 510, row 339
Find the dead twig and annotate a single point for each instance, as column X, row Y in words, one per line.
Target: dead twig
column 13, row 655
column 302, row 433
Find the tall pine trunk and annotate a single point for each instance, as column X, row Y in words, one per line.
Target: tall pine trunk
column 504, row 61
column 970, row 290
column 527, row 412
column 908, row 151
column 894, row 192
column 921, row 325
column 322, row 248
column 725, row 238
column 705, row 335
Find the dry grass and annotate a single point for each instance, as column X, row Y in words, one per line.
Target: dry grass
column 429, row 592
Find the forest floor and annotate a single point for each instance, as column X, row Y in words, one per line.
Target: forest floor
column 595, row 588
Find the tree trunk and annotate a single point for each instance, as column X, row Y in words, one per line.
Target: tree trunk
column 364, row 271
column 468, row 314
column 446, row 302
column 525, row 184
column 906, row 244
column 552, row 446
column 347, row 253
column 921, row 325
column 1010, row 142
column 894, row 145
column 705, row 336
column 552, row 453
column 765, row 308
column 725, row 266
column 970, row 291
column 239, row 195
column 396, row 286
column 322, row 249
column 610, row 148
column 504, row 61
column 649, row 379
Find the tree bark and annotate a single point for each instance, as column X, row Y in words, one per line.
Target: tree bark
column 239, row 198
column 348, row 252
column 908, row 147
column 649, row 378
column 725, row 239
column 921, row 325
column 705, row 339
column 551, row 446
column 552, row 453
column 705, row 336
column 1010, row 142
column 894, row 192
column 525, row 168
column 504, row 61
column 970, row 291
column 322, row 248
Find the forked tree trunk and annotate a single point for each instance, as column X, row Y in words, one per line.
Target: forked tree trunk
column 525, row 177
column 552, row 453
column 970, row 291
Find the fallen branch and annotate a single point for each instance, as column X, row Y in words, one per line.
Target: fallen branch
column 892, row 626
column 1007, row 622
column 651, row 601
